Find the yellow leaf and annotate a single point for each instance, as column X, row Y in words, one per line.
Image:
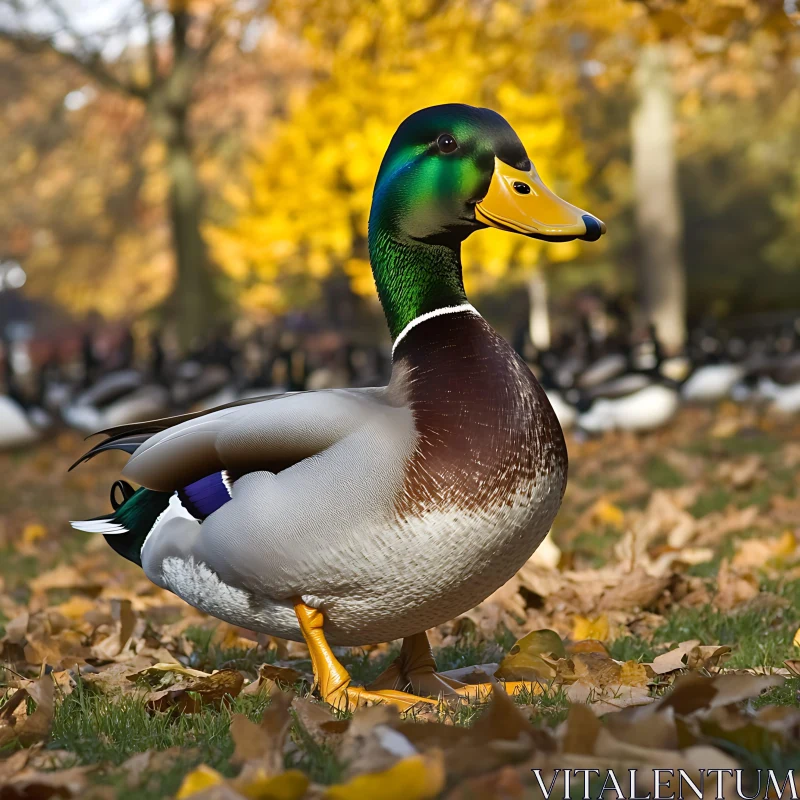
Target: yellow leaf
column 632, row 673
column 76, row 607
column 590, row 628
column 290, row 785
column 668, row 22
column 32, row 532
column 786, row 545
column 796, row 640
column 415, row 778
column 524, row 661
column 198, row 779
column 608, row 513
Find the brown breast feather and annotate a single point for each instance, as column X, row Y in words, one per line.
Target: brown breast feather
column 485, row 428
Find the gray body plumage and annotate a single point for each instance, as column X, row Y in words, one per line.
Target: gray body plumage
column 334, row 527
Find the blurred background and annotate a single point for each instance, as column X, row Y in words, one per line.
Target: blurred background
column 186, row 188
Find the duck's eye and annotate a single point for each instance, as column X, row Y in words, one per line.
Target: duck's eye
column 446, row 143
column 521, row 188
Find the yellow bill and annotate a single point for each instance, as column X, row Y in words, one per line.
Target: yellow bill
column 519, row 201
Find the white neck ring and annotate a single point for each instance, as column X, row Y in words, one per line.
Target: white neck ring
column 438, row 312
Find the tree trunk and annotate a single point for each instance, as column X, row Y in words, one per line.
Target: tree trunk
column 662, row 283
column 195, row 302
column 538, row 312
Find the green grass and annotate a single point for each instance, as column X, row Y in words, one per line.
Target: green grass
column 208, row 656
column 631, row 648
column 364, row 669
column 102, row 728
column 717, row 499
column 596, row 546
column 17, row 571
column 467, row 654
column 788, row 694
column 605, row 481
column 761, row 635
column 106, row 730
column 109, row 729
column 550, row 708
column 660, row 474
column 743, row 444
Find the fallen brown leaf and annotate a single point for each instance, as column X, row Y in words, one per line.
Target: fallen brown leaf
column 15, row 724
column 674, row 659
column 189, row 696
column 260, row 748
column 63, row 784
column 372, row 741
column 165, row 674
column 707, row 657
column 318, row 722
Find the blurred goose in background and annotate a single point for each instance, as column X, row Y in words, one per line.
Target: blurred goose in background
column 648, row 404
column 710, row 383
column 118, row 398
column 640, row 399
column 715, row 370
column 22, row 421
column 565, row 411
column 781, row 398
column 778, row 376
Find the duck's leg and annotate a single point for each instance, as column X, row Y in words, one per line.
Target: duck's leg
column 333, row 680
column 415, row 667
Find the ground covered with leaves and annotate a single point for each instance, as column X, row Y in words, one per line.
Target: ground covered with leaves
column 657, row 630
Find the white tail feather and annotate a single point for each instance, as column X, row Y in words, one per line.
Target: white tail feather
column 105, row 526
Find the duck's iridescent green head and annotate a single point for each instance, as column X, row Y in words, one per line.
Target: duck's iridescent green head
column 451, row 170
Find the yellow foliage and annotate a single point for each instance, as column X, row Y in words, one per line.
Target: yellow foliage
column 306, row 209
column 632, row 673
column 607, row 513
column 414, row 778
column 33, row 532
column 289, row 785
column 594, row 628
column 198, row 779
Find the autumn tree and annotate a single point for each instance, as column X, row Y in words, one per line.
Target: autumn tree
column 302, row 211
column 660, row 64
column 151, row 56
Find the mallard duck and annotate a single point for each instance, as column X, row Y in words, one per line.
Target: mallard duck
column 356, row 516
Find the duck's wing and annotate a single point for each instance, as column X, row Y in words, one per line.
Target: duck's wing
column 129, row 436
column 257, row 434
